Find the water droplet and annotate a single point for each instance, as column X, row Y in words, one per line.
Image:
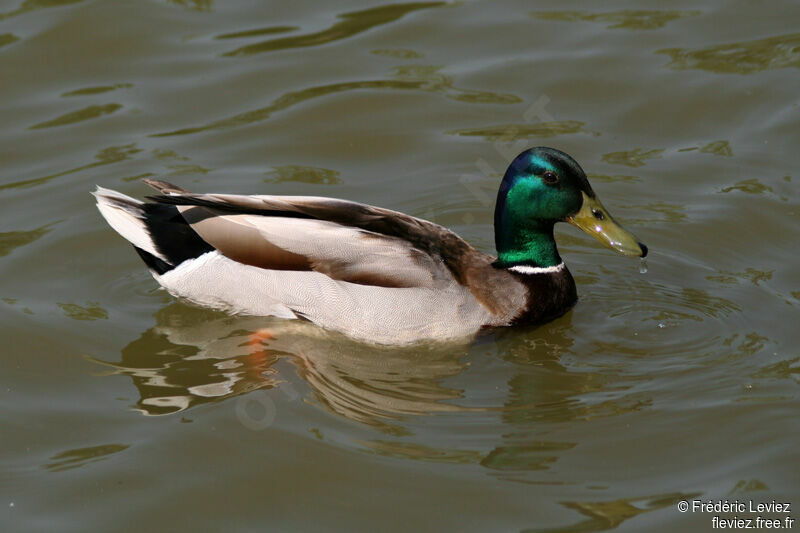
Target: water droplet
column 642, row 266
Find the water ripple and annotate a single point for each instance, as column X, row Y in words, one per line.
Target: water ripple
column 400, row 53
column 90, row 311
column 7, row 38
column 270, row 30
column 194, row 5
column 303, row 174
column 81, row 456
column 633, row 158
column 628, row 19
column 88, row 91
column 10, row 240
column 81, row 115
column 410, row 77
column 106, row 156
column 33, row 5
column 721, row 147
column 351, row 24
column 514, row 132
column 608, row 515
column 746, row 57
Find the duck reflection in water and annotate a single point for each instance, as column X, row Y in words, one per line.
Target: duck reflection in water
column 193, row 356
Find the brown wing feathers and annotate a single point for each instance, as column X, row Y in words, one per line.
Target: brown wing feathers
column 422, row 235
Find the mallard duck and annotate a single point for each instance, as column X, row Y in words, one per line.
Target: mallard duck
column 371, row 273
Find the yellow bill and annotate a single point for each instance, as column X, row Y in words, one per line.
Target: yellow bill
column 597, row 222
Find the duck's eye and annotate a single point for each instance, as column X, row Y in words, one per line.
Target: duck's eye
column 550, row 177
column 598, row 214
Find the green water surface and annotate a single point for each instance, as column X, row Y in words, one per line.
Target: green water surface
column 124, row 410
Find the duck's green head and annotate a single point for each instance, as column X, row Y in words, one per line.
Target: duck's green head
column 543, row 186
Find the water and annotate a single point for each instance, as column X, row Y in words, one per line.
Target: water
column 124, row 410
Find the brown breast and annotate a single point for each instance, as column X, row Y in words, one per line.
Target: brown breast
column 550, row 295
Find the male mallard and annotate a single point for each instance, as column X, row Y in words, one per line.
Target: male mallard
column 371, row 273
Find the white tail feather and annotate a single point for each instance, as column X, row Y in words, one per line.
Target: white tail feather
column 126, row 216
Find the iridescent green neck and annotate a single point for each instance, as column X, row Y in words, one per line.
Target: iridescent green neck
column 532, row 244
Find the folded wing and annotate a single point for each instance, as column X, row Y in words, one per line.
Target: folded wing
column 344, row 240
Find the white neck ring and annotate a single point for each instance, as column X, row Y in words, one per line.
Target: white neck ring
column 526, row 269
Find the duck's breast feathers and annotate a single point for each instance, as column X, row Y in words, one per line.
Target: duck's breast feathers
column 345, row 240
